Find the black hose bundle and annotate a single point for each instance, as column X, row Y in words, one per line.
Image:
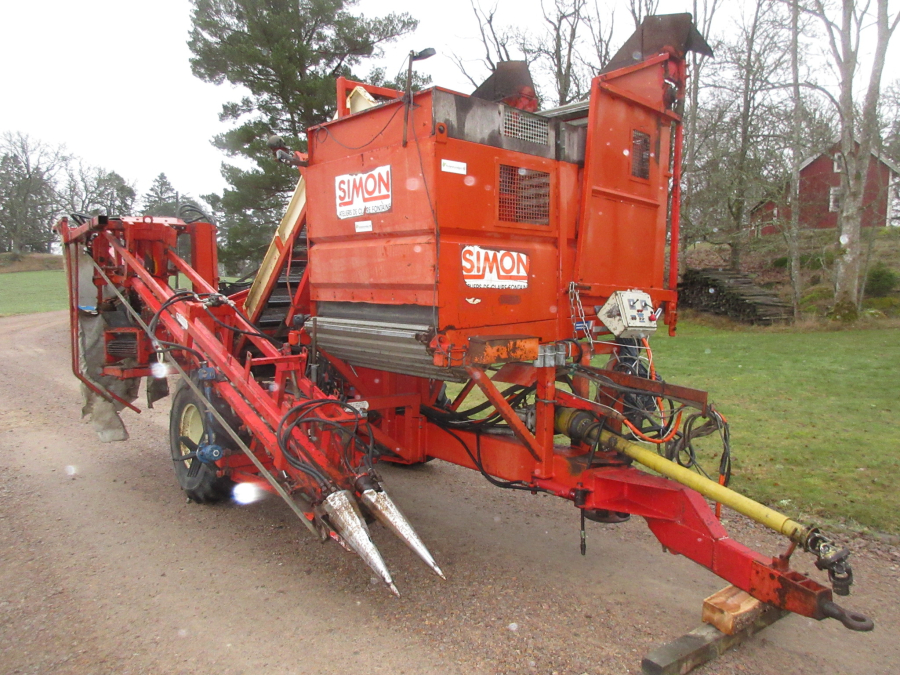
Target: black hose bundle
column 191, row 213
column 682, row 451
column 465, row 420
column 299, row 415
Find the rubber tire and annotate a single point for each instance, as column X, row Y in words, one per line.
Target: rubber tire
column 204, row 487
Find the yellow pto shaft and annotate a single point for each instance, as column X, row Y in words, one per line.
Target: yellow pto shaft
column 709, row 488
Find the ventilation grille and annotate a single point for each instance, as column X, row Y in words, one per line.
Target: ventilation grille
column 524, row 195
column 640, row 154
column 525, row 127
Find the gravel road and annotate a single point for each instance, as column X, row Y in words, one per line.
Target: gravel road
column 104, row 568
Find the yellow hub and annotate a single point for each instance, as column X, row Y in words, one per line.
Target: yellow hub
column 190, row 426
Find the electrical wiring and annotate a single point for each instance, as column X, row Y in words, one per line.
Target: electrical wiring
column 282, row 436
column 329, row 134
column 641, row 409
column 179, row 296
column 605, row 381
column 682, row 450
column 476, row 460
column 463, row 421
column 660, row 441
column 659, row 402
column 190, row 213
column 183, row 296
column 301, row 414
column 309, row 467
column 674, row 439
column 630, row 400
column 241, row 331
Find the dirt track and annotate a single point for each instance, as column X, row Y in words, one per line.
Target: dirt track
column 108, row 570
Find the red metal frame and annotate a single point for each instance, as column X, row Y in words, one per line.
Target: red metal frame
column 679, row 517
column 345, row 86
column 138, row 256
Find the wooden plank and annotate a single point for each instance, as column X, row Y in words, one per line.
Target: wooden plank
column 701, row 645
column 731, row 610
column 734, row 295
column 275, row 256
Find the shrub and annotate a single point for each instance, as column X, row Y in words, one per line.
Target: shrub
column 887, row 306
column 844, row 311
column 814, row 295
column 809, row 261
column 880, row 281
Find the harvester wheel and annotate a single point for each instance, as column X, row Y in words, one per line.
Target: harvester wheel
column 186, row 426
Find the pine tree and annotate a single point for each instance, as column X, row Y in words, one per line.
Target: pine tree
column 163, row 200
column 287, row 54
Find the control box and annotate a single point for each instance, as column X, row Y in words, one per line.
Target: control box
column 629, row 314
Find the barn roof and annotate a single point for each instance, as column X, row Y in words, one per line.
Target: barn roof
column 880, row 157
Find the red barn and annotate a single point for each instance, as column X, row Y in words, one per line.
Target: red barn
column 820, row 195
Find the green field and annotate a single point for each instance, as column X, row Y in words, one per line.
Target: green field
column 813, row 415
column 30, row 292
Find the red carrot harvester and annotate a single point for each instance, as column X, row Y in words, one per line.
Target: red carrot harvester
column 440, row 245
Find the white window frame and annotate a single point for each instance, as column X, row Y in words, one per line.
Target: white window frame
column 837, row 164
column 835, row 194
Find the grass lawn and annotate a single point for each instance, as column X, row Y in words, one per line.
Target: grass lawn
column 813, row 415
column 31, row 292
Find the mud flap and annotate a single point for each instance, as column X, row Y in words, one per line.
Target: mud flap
column 156, row 389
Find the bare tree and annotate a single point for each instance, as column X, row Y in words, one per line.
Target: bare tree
column 559, row 47
column 704, row 12
column 792, row 229
column 560, row 52
column 496, row 42
column 889, row 120
column 28, row 172
column 845, row 22
column 600, row 31
column 756, row 59
column 92, row 190
column 641, row 9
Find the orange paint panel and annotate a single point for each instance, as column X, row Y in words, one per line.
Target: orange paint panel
column 409, row 208
column 466, row 305
column 472, row 200
column 624, row 245
column 363, row 133
column 401, row 263
column 626, row 178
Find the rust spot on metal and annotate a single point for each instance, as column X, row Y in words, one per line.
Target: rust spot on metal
column 788, row 590
column 501, row 348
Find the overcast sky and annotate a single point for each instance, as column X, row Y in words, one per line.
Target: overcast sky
column 111, row 80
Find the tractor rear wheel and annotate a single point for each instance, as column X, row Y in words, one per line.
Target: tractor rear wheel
column 186, row 431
